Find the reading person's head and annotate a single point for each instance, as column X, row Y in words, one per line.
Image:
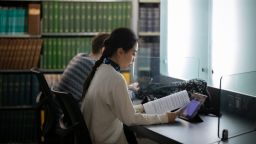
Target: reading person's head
column 98, row 42
column 121, row 46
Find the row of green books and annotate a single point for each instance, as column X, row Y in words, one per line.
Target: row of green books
column 64, row 16
column 18, row 89
column 13, row 20
column 57, row 52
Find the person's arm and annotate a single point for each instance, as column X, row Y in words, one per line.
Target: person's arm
column 132, row 89
column 123, row 108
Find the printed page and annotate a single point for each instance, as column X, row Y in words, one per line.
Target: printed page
column 167, row 103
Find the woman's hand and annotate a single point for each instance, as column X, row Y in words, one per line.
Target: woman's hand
column 139, row 108
column 171, row 116
column 134, row 86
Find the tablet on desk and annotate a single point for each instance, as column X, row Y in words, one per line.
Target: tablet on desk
column 191, row 109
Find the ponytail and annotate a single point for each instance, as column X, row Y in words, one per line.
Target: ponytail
column 91, row 75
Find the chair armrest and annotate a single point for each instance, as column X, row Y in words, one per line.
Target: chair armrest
column 65, row 131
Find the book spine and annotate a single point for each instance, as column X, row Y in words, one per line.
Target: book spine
column 104, row 17
column 44, row 54
column 110, row 17
column 129, row 14
column 15, row 57
column 45, row 18
column 22, row 56
column 66, row 17
column 99, row 17
column 5, row 90
column 61, row 17
column 3, row 20
column 123, row 12
column 14, row 22
column 36, row 58
column 72, row 17
column 115, row 15
column 142, row 22
column 50, row 16
column 87, row 46
column 89, row 17
column 77, row 16
column 64, row 52
column 18, row 21
column 11, row 58
column 157, row 19
column 73, row 48
column 59, row 54
column 3, row 49
column 150, row 19
column 83, row 17
column 28, row 53
column 119, row 14
column 34, row 19
column 54, row 53
column 4, row 53
column 56, row 14
column 94, row 16
column 32, row 55
column 49, row 53
column 9, row 94
column 23, row 20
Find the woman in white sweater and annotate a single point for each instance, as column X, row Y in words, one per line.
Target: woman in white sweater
column 106, row 104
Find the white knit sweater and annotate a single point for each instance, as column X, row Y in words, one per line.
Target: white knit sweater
column 107, row 106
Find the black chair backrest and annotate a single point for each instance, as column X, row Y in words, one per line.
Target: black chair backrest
column 73, row 114
column 47, row 104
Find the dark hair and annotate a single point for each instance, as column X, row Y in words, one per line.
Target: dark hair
column 119, row 38
column 98, row 42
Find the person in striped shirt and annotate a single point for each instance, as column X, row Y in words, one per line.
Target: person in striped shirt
column 79, row 67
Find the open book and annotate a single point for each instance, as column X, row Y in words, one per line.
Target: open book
column 174, row 101
column 167, row 103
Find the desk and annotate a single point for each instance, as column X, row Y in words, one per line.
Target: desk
column 191, row 133
column 248, row 138
column 182, row 131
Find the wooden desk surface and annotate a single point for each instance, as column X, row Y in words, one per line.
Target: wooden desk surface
column 182, row 131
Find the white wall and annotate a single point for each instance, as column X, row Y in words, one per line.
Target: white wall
column 221, row 34
column 233, row 37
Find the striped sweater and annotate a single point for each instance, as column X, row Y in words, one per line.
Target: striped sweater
column 75, row 75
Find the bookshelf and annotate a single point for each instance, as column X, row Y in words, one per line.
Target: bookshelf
column 46, row 34
column 147, row 63
column 70, row 25
column 20, row 46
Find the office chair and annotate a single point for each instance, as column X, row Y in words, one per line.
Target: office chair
column 74, row 119
column 48, row 106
